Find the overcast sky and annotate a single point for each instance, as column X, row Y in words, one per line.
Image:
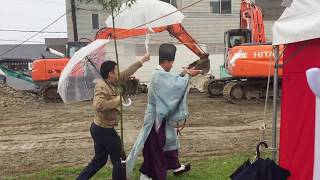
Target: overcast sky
column 31, row 15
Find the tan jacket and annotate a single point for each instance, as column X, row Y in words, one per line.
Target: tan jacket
column 106, row 102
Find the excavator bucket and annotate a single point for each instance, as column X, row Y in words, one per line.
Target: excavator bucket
column 131, row 87
column 202, row 64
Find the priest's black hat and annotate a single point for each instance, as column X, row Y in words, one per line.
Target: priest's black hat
column 167, row 52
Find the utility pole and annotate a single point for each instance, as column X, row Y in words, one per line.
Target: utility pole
column 74, row 20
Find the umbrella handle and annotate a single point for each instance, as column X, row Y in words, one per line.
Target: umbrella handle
column 258, row 148
column 146, row 42
column 126, row 102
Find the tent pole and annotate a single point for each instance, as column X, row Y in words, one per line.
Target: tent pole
column 275, row 108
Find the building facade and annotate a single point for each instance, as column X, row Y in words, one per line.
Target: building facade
column 206, row 21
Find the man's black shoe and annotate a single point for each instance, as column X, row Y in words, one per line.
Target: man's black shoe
column 186, row 168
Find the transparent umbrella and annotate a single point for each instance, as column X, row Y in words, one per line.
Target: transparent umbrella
column 77, row 79
column 144, row 17
column 144, row 14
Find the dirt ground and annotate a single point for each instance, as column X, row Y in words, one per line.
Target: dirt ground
column 36, row 135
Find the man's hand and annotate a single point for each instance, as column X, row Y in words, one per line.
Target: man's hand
column 192, row 72
column 184, row 71
column 145, row 58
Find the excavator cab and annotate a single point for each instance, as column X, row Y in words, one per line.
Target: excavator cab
column 232, row 38
column 72, row 47
column 236, row 37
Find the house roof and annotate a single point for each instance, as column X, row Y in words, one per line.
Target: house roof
column 25, row 51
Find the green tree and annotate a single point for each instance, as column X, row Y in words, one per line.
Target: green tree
column 113, row 7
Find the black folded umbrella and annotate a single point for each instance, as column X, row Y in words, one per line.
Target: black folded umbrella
column 260, row 169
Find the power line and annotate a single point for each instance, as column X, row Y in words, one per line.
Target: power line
column 12, row 40
column 102, row 11
column 31, row 31
column 9, row 50
column 44, row 1
column 185, row 7
column 161, row 17
column 42, row 31
column 91, row 10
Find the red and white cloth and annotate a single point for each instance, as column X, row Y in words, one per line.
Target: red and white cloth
column 313, row 77
column 300, row 112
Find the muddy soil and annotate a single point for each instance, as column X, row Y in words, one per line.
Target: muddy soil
column 36, row 135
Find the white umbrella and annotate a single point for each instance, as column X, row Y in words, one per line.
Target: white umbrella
column 145, row 16
column 1, row 72
column 76, row 82
column 145, row 11
column 313, row 78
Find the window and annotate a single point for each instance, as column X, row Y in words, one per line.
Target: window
column 225, row 6
column 95, row 21
column 220, row 6
column 215, row 6
column 237, row 40
column 172, row 2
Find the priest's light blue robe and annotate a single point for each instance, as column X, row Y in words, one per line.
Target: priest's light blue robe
column 167, row 100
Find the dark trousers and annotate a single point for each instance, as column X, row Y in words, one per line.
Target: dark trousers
column 106, row 142
column 157, row 161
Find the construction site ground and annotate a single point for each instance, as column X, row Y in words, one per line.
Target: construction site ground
column 37, row 135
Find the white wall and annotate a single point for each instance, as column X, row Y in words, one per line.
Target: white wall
column 183, row 57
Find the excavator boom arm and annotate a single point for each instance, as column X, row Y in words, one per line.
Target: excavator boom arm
column 176, row 30
column 251, row 18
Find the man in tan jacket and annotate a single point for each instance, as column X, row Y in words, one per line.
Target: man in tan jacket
column 106, row 103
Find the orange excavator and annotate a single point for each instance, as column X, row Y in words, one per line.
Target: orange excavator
column 244, row 73
column 46, row 72
column 248, row 59
column 175, row 30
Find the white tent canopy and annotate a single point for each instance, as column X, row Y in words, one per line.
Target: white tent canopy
column 299, row 22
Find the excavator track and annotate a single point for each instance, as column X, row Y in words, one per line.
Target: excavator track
column 215, row 88
column 245, row 92
column 233, row 92
column 50, row 94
